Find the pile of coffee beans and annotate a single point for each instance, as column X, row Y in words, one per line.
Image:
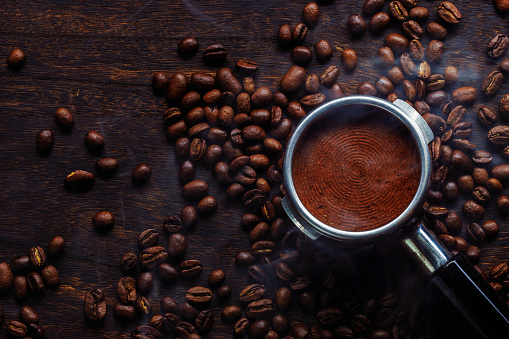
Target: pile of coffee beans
column 239, row 130
column 30, row 275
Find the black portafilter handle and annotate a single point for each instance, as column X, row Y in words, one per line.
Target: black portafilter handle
column 460, row 283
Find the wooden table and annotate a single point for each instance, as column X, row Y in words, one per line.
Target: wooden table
column 97, row 59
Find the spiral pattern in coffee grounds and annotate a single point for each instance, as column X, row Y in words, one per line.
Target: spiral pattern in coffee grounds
column 356, row 169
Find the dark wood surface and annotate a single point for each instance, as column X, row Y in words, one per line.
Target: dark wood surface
column 97, row 59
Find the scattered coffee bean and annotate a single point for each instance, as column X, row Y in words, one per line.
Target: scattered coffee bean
column 214, row 53
column 310, row 14
column 449, row 13
column 231, row 314
column 103, row 221
column 141, row 174
column 50, row 276
column 216, row 277
column 95, row 305
column 498, row 45
column 379, row 22
column 356, row 24
column 187, row 46
column 45, row 141
column 16, row 59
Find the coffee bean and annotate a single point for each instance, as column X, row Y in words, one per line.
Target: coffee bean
column 372, row 6
column 498, row 45
column 64, row 119
column 486, row 116
column 190, row 268
column 407, row 65
column 241, row 327
column 329, row 317
column 216, row 277
column 198, row 295
column 356, row 24
column 160, row 82
column 195, row 190
column 423, row 70
column 126, row 290
column 419, row 14
column 257, row 274
column 397, row 42
column 177, row 87
column 302, row 55
column 145, row 282
column 385, row 57
column 141, row 174
column 16, row 59
column 504, row 106
column 50, row 276
column 128, row 261
column 37, row 256
column 283, row 299
column 310, row 14
column 284, row 34
column 45, row 141
column 20, row 288
column 231, row 314
column 148, row 238
column 349, row 58
column 259, row 329
column 103, row 221
column 492, row 83
column 107, row 166
column 214, row 53
column 145, row 332
column 293, row 80
column 261, row 248
column 244, row 258
column 17, row 329
column 224, row 292
column 95, row 305
column 416, row 50
column 260, row 309
column 473, row 211
column 491, row 229
column 398, row 11
column 436, row 31
column 94, row 141
column 379, row 22
column 28, row 315
column 299, row 32
column 226, row 80
column 475, row 233
column 187, row 47
column 188, row 312
column 323, row 50
column 152, row 256
column 449, row 13
column 204, row 321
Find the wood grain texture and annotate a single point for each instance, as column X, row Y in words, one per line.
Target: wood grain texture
column 97, row 60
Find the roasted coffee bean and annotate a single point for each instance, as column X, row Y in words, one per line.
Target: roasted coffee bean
column 231, row 314
column 449, row 13
column 145, row 282
column 172, row 224
column 216, row 277
column 103, row 221
column 349, row 58
column 224, row 292
column 312, row 83
column 17, row 329
column 486, row 116
column 190, row 268
column 143, row 307
column 235, row 191
column 187, row 47
column 462, row 130
column 197, row 149
column 195, row 190
column 301, row 331
column 498, row 45
column 407, row 65
column 182, row 147
column 186, row 172
column 398, row 11
column 204, row 321
column 436, row 123
column 436, row 31
column 409, row 89
column 416, row 50
column 259, row 232
column 253, row 199
column 201, row 82
column 177, row 245
column 435, row 82
column 453, row 223
column 141, row 174
column 284, row 34
column 499, row 271
column 262, row 248
column 372, row 6
column 94, row 141
column 95, row 305
column 16, row 59
column 435, row 51
column 329, row 76
column 247, row 66
column 473, row 211
column 492, row 83
column 44, row 141
column 385, row 57
column 261, row 97
column 20, row 288
column 283, row 299
column 257, row 274
column 214, row 53
column 169, row 305
column 419, row 14
column 436, row 98
column 423, row 70
column 504, row 67
column 307, row 301
column 253, row 134
column 323, row 50
column 450, row 191
column 397, row 42
column 329, row 317
column 178, row 130
column 148, row 238
column 128, row 261
column 177, row 86
column 299, row 283
column 473, row 253
column 480, row 176
column 494, row 186
column 153, row 256
column 194, row 116
column 227, row 81
column 50, row 276
column 244, row 258
column 107, row 166
column 412, row 29
column 241, row 327
column 299, row 32
column 379, row 22
column 259, row 329
column 245, row 176
column 64, row 119
column 198, row 295
column 475, row 233
column 491, row 229
column 160, row 82
column 501, row 172
column 28, row 315
column 126, row 290
column 188, row 312
column 295, row 110
column 356, row 24
column 310, row 14
column 252, row 293
column 503, row 204
column 260, row 309
column 145, row 332
column 167, row 272
column 37, row 256
column 311, row 101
